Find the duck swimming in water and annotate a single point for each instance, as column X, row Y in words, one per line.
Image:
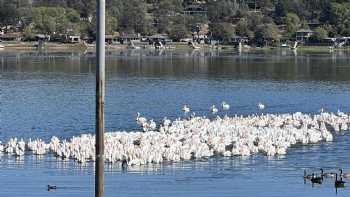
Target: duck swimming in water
column 316, row 179
column 51, row 187
column 339, row 183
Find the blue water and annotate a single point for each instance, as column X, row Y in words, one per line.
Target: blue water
column 46, row 94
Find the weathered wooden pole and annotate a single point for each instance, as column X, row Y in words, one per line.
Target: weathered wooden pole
column 100, row 97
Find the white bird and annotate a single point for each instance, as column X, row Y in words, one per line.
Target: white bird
column 213, row 109
column 193, row 114
column 261, row 106
column 140, row 120
column 193, row 138
column 152, row 125
column 166, row 122
column 185, row 109
column 225, row 106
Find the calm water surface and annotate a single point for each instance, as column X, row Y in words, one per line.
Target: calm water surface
column 46, row 94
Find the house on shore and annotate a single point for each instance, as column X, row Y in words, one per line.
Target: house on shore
column 73, row 39
column 238, row 39
column 111, row 39
column 128, row 38
column 163, row 38
column 11, row 37
column 303, row 35
column 197, row 8
column 42, row 37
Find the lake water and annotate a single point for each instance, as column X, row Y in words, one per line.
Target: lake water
column 52, row 94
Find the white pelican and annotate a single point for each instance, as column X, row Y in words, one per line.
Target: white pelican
column 225, row 106
column 194, row 138
column 152, row 125
column 213, row 109
column 185, row 109
column 140, row 120
column 261, row 106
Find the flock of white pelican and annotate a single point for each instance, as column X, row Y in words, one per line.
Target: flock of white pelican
column 193, row 138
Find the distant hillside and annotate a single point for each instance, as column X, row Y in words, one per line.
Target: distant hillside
column 255, row 19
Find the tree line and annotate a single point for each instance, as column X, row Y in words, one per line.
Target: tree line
column 254, row 19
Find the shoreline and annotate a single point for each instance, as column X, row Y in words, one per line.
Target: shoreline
column 173, row 46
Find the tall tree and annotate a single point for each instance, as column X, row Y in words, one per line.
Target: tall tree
column 222, row 10
column 8, row 12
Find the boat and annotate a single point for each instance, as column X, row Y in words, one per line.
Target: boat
column 284, row 45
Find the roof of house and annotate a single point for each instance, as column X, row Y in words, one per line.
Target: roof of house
column 40, row 36
column 305, row 31
column 159, row 36
column 123, row 35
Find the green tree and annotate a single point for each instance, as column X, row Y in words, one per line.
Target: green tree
column 320, row 34
column 242, row 29
column 222, row 31
column 267, row 32
column 222, row 10
column 8, row 12
column 292, row 22
column 28, row 33
column 178, row 31
column 52, row 20
column 111, row 24
column 86, row 8
column 255, row 19
column 280, row 10
column 167, row 12
column 340, row 17
column 135, row 17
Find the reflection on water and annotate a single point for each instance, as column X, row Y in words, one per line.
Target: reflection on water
column 46, row 94
column 276, row 65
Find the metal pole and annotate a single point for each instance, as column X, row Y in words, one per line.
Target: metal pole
column 100, row 98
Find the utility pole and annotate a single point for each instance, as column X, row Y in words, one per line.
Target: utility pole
column 100, row 97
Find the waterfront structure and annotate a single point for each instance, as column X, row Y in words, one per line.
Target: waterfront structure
column 303, row 35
